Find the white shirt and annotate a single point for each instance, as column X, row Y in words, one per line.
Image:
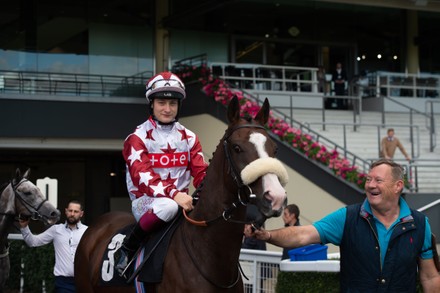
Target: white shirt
column 65, row 242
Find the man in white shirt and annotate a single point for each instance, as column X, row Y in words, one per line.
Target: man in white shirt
column 65, row 238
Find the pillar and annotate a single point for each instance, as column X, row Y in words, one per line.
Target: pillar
column 412, row 49
column 162, row 39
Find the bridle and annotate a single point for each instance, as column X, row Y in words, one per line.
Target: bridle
column 33, row 211
column 227, row 212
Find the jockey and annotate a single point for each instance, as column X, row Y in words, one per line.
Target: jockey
column 161, row 156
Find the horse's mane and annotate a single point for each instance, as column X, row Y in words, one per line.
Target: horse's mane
column 3, row 186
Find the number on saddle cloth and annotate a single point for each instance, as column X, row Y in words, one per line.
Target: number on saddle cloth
column 109, row 276
column 151, row 268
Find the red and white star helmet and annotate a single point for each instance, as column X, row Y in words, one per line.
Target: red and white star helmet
column 165, row 85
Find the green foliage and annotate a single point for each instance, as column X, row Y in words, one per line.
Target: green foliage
column 311, row 282
column 307, row 282
column 38, row 266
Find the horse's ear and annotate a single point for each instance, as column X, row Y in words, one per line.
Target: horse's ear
column 233, row 110
column 263, row 115
column 17, row 177
column 27, row 173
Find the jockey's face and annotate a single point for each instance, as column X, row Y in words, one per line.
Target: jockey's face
column 165, row 110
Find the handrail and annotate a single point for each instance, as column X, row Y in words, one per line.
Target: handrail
column 73, row 84
column 355, row 160
column 431, row 127
column 271, row 77
column 430, row 205
column 407, row 85
column 379, row 138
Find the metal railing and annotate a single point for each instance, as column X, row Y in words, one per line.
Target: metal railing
column 48, row 83
column 355, row 160
column 429, row 118
column 268, row 77
column 393, row 84
column 260, row 270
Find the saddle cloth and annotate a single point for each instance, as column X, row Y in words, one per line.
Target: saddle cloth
column 152, row 267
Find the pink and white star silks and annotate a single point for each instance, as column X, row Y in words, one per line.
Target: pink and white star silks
column 160, row 161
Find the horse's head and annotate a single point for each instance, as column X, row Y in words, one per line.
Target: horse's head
column 30, row 202
column 251, row 155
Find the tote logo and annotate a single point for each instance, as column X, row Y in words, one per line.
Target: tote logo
column 168, row 160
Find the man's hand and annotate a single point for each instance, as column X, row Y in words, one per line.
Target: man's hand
column 23, row 222
column 262, row 234
column 184, row 200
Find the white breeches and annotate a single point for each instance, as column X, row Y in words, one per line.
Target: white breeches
column 163, row 207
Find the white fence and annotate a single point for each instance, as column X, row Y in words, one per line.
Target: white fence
column 260, row 270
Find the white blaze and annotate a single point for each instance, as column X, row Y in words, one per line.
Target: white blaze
column 259, row 141
column 273, row 190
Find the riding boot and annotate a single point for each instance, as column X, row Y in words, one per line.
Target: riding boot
column 128, row 248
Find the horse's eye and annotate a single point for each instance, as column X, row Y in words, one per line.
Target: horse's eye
column 27, row 193
column 236, row 148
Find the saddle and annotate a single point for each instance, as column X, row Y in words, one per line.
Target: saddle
column 148, row 262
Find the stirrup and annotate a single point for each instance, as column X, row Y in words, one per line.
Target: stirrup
column 122, row 274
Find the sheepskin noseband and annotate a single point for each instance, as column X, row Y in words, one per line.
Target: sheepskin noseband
column 263, row 166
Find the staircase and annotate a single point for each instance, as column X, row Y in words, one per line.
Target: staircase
column 364, row 141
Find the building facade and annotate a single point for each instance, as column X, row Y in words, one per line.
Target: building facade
column 79, row 140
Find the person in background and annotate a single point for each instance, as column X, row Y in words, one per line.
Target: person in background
column 161, row 157
column 65, row 238
column 322, row 82
column 385, row 245
column 389, row 144
column 290, row 218
column 339, row 78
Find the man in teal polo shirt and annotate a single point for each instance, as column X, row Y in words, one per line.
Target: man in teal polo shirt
column 384, row 244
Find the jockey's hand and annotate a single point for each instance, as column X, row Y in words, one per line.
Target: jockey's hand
column 184, row 200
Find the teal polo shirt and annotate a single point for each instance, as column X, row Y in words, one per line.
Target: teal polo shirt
column 331, row 229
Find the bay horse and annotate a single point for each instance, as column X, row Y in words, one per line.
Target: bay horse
column 20, row 198
column 204, row 251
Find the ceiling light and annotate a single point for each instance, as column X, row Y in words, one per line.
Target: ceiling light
column 293, row 31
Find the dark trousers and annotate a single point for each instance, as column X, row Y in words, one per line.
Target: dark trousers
column 64, row 284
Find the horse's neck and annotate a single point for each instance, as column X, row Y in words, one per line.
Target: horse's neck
column 219, row 192
column 5, row 225
column 7, row 211
column 215, row 191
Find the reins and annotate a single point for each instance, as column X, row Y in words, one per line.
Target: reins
column 226, row 215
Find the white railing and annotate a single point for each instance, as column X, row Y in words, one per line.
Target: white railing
column 260, row 270
column 268, row 77
column 428, row 206
column 394, row 84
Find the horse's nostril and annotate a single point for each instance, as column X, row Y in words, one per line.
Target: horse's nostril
column 55, row 214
